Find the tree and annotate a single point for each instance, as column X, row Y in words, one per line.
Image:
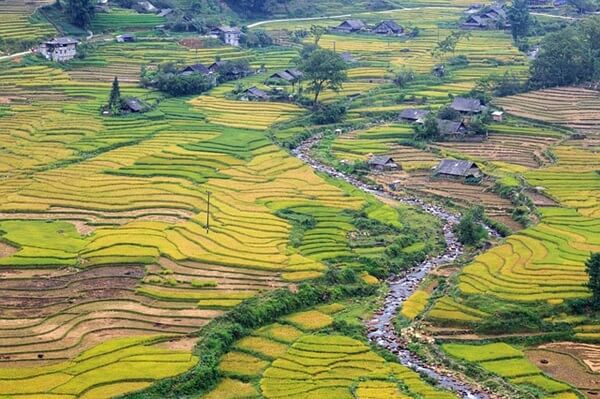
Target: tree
column 403, row 77
column 429, row 130
column 114, row 100
column 519, row 18
column 448, row 45
column 593, row 271
column 564, row 58
column 469, row 230
column 317, row 31
column 81, row 12
column 323, row 69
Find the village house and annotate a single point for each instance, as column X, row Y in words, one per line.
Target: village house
column 59, row 49
column 228, row 35
column 227, row 74
column 488, row 18
column 450, row 129
column 254, row 93
column 390, row 28
column 350, row 26
column 497, row 116
column 382, row 163
column 195, row 68
column 413, row 115
column 164, row 12
column 457, row 170
column 286, row 76
column 467, row 105
column 126, row 38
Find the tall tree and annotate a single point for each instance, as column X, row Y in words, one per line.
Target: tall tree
column 323, row 69
column 565, row 58
column 81, row 12
column 593, row 271
column 114, row 100
column 317, row 31
column 519, row 18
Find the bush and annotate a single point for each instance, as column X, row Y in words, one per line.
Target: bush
column 470, row 230
column 325, row 114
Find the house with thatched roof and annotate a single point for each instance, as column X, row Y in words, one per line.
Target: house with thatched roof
column 389, row 27
column 382, row 163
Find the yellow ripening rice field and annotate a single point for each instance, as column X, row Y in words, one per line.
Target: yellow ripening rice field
column 104, row 221
column 16, row 22
column 108, row 370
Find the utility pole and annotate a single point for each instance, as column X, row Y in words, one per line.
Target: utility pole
column 208, row 213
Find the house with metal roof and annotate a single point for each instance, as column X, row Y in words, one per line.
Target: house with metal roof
column 254, row 93
column 195, row 68
column 133, row 105
column 389, row 27
column 447, row 128
column 413, row 114
column 382, row 163
column 350, row 26
column 457, row 169
column 467, row 105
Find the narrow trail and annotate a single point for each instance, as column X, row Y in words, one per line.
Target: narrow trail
column 15, row 55
column 381, row 329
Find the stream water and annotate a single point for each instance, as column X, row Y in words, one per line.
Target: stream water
column 381, row 329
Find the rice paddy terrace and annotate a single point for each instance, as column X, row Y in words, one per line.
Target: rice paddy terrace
column 111, row 263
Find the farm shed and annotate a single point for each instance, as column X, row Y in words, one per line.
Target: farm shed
column 498, row 116
column 350, row 26
column 467, row 105
column 457, row 169
column 388, row 27
column 383, row 162
column 413, row 114
column 133, row 105
column 126, row 38
column 254, row 93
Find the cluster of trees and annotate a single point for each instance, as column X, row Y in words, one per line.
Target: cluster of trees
column 80, row 12
column 167, row 78
column 569, row 56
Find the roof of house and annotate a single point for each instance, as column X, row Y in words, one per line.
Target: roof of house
column 289, row 75
column 388, row 26
column 134, row 104
column 146, row 5
column 62, row 41
column 256, row 92
column 196, row 68
column 126, row 36
column 463, row 104
column 454, row 167
column 498, row 11
column 413, row 114
column 356, row 24
column 227, row 29
column 165, row 11
column 380, row 160
column 446, row 127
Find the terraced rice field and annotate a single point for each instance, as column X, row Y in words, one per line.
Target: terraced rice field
column 574, row 363
column 17, row 23
column 292, row 359
column 510, row 363
column 572, row 107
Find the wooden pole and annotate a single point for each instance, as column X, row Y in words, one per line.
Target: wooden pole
column 208, row 213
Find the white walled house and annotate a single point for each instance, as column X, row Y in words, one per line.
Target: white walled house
column 229, row 35
column 59, row 49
